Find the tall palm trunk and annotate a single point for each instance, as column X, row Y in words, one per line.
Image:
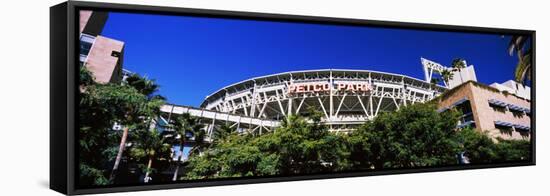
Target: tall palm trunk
column 149, row 164
column 120, row 151
column 179, row 160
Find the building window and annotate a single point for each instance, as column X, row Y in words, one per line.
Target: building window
column 467, row 118
column 86, row 42
column 115, row 54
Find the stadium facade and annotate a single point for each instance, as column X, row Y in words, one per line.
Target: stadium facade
column 345, row 97
column 348, row 98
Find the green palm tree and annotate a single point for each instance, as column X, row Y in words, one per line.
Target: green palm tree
column 199, row 135
column 148, row 109
column 434, row 82
column 523, row 68
column 182, row 125
column 151, row 144
column 458, row 64
column 101, row 106
column 446, row 75
column 142, row 84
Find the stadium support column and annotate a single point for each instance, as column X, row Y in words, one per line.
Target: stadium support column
column 404, row 91
column 427, row 71
column 244, row 107
column 290, row 97
column 253, row 104
column 211, row 128
column 331, row 109
column 371, row 94
column 289, row 109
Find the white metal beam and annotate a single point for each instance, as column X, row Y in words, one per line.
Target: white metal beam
column 379, row 102
column 300, row 105
column 280, row 104
column 363, row 106
column 323, row 107
column 340, row 105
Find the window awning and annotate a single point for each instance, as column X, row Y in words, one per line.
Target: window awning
column 522, row 127
column 505, row 124
column 518, row 127
column 518, row 108
column 498, row 103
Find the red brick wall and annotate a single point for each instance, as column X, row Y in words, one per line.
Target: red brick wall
column 84, row 17
column 101, row 63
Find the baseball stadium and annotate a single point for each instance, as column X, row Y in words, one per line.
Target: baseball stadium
column 205, row 92
column 345, row 97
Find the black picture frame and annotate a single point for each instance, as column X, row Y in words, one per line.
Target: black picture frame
column 64, row 91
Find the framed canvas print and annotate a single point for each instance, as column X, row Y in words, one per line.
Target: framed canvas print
column 146, row 97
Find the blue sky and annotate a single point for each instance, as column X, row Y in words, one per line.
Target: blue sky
column 192, row 57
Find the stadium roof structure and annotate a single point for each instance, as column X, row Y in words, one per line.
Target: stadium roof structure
column 346, row 97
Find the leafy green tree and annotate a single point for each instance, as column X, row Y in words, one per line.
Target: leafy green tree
column 413, row 136
column 222, row 133
column 86, row 77
column 101, row 106
column 132, row 105
column 477, row 146
column 512, row 151
column 94, row 138
column 299, row 146
column 305, row 147
column 481, row 149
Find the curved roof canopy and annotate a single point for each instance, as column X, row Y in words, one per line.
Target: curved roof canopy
column 303, row 74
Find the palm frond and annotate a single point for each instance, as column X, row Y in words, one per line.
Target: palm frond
column 523, row 69
column 516, row 43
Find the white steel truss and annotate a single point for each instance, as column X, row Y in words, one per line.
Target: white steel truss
column 211, row 118
column 268, row 97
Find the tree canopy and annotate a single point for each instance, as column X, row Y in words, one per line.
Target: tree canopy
column 101, row 107
column 413, row 136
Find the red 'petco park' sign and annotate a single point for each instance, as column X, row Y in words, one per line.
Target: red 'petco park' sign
column 325, row 87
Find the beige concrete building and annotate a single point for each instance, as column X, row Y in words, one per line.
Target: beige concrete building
column 486, row 108
column 102, row 56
